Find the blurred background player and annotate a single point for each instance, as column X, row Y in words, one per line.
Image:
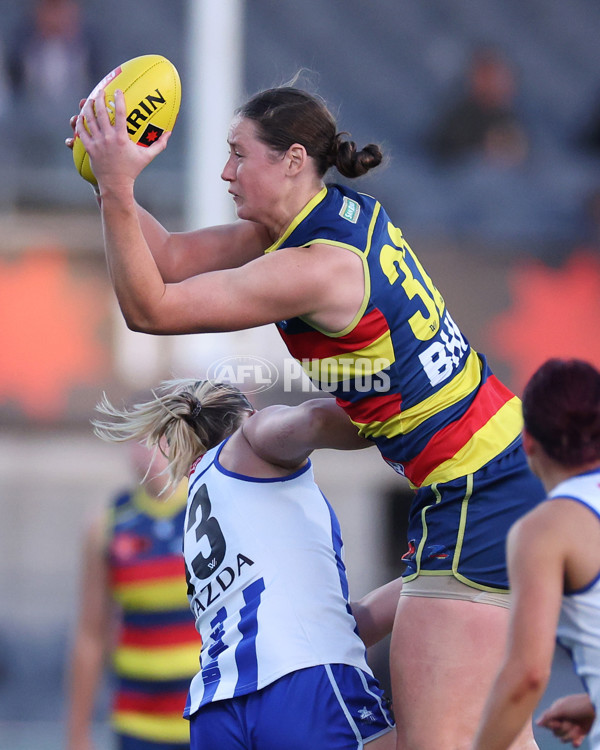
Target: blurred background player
column 134, row 604
column 554, row 560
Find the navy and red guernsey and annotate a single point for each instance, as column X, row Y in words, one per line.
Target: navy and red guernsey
column 402, row 369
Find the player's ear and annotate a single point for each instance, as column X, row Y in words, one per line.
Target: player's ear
column 296, row 158
column 528, row 442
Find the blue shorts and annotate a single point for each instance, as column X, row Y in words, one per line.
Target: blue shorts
column 459, row 528
column 330, row 707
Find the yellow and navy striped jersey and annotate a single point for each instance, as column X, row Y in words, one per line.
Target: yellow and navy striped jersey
column 402, row 369
column 157, row 647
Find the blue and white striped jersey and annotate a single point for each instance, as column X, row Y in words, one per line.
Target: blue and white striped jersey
column 266, row 580
column 579, row 623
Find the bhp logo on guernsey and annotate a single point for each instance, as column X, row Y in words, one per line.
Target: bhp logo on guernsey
column 253, row 374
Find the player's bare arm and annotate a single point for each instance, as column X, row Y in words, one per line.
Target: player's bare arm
column 535, row 609
column 374, row 613
column 265, row 290
column 180, row 255
column 272, row 288
column 117, row 163
column 287, row 435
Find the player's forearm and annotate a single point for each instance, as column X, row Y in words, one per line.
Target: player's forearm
column 85, row 672
column 164, row 246
column 177, row 257
column 375, row 612
column 330, row 427
column 135, row 276
column 181, row 255
column 514, row 696
column 159, row 243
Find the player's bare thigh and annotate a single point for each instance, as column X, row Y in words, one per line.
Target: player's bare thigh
column 444, row 656
column 385, row 742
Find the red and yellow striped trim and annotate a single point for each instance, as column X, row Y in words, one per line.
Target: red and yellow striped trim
column 385, row 406
column 366, row 350
column 401, row 422
column 493, row 421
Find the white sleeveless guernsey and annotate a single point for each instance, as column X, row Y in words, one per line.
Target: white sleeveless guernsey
column 266, row 580
column 579, row 622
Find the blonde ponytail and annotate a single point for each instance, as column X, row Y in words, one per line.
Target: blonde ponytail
column 184, row 419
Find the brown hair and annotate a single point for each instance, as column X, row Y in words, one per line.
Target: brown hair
column 561, row 410
column 191, row 416
column 287, row 115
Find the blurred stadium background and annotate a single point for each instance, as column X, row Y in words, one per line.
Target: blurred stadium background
column 514, row 248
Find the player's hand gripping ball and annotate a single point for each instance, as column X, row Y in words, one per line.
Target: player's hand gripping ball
column 152, row 92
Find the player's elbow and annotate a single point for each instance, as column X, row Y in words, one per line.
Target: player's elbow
column 317, row 414
column 316, row 422
column 140, row 321
column 146, row 327
column 135, row 326
column 135, row 321
column 533, row 681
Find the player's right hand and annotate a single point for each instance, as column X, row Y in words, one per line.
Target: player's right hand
column 73, row 122
column 569, row 718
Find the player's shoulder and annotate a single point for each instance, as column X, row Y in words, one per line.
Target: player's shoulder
column 252, row 237
column 252, row 231
column 547, row 528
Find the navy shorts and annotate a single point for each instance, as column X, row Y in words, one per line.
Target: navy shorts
column 459, row 528
column 125, row 742
column 329, row 707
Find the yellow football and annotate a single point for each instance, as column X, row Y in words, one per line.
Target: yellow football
column 152, row 92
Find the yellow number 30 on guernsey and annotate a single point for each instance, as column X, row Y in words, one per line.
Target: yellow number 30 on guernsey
column 393, row 260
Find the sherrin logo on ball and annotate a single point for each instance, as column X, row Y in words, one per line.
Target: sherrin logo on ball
column 152, row 92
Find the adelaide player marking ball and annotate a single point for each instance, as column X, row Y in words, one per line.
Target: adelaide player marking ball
column 152, row 92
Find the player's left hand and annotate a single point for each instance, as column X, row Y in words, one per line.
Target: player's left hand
column 115, row 159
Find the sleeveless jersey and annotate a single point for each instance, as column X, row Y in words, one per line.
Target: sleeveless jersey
column 157, row 646
column 267, row 583
column 579, row 623
column 402, row 370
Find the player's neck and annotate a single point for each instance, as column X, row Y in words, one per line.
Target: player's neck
column 557, row 473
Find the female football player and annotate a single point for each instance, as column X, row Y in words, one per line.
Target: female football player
column 354, row 304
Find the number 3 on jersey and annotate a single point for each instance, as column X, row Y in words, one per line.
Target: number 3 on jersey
column 208, row 535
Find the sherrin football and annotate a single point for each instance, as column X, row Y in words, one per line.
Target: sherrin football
column 152, row 92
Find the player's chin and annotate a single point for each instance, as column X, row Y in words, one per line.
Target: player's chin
column 240, row 209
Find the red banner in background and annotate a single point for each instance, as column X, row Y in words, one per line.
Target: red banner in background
column 555, row 312
column 54, row 331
